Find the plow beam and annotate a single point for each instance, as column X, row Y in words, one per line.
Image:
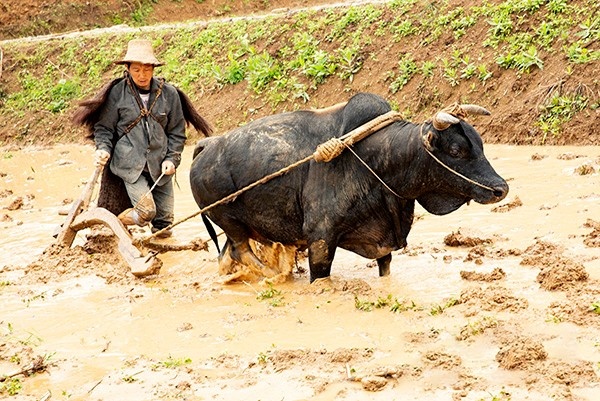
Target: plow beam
column 140, row 265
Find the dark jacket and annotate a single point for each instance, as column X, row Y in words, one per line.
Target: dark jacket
column 154, row 139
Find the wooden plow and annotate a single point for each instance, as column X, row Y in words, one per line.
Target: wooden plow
column 143, row 263
column 80, row 217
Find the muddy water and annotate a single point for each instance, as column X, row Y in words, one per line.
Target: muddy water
column 95, row 331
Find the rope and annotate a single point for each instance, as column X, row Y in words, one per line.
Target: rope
column 454, row 171
column 325, row 152
column 143, row 111
column 235, row 194
column 373, row 172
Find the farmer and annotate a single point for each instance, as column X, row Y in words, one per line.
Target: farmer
column 138, row 124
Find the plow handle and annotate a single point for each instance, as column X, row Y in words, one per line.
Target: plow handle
column 67, row 234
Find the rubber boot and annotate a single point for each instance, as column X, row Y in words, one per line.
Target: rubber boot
column 145, row 210
column 126, row 217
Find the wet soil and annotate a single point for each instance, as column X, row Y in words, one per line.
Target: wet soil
column 488, row 302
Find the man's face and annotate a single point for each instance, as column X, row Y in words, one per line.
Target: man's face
column 141, row 74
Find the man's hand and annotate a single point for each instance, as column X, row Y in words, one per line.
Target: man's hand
column 168, row 167
column 101, row 157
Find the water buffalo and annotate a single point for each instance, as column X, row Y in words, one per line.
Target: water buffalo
column 341, row 203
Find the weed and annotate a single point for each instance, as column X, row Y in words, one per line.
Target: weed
column 398, row 306
column 172, row 363
column 577, row 53
column 350, row 62
column 262, row 358
column 521, row 61
column 363, row 305
column 269, row 293
column 585, row 169
column 11, row 386
column 595, row 307
column 482, row 73
column 41, row 296
column 439, row 309
column 407, row 67
column 554, row 319
column 501, row 396
column 274, row 296
column 558, row 110
column 477, row 327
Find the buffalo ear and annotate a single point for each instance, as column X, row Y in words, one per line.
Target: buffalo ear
column 428, row 140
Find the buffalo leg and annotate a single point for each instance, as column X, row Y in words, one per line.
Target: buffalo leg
column 320, row 257
column 241, row 252
column 384, row 265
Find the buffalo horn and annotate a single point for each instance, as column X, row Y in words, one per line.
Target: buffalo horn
column 474, row 109
column 442, row 120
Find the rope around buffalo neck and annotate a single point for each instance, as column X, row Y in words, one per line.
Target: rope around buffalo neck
column 450, row 169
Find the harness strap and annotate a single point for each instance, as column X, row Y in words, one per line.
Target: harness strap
column 143, row 111
column 451, row 170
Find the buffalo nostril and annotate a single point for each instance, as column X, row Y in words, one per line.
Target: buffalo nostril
column 500, row 192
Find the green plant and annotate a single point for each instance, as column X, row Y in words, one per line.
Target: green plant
column 350, row 62
column 261, row 70
column 501, row 396
column 274, row 296
column 590, row 29
column 319, row 66
column 262, row 358
column 171, row 363
column 558, row 110
column 500, row 27
column 595, row 307
column 407, row 67
column 399, row 306
column 440, row 308
column 477, row 327
column 551, row 318
column 363, row 305
column 61, row 94
column 482, row 73
column 11, row 386
column 521, row 61
column 557, row 6
column 28, row 301
column 579, row 54
column 141, row 12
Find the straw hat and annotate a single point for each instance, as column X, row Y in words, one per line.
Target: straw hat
column 140, row 51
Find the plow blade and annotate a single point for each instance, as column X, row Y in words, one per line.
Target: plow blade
column 140, row 265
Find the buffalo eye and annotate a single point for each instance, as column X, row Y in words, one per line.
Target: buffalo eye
column 454, row 151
